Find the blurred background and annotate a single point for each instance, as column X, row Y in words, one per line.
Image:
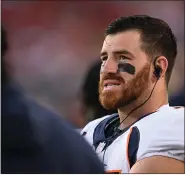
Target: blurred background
column 53, row 44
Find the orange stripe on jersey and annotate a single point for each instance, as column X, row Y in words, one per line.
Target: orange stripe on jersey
column 113, row 171
column 128, row 138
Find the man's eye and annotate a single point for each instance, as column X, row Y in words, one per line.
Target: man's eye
column 104, row 59
column 122, row 57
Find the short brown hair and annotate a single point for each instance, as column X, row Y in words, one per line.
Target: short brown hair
column 156, row 37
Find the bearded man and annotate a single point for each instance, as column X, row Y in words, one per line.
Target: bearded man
column 146, row 135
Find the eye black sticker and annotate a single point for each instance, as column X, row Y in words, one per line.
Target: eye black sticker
column 126, row 67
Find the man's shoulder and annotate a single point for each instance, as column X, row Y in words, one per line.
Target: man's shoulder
column 159, row 124
column 177, row 110
column 163, row 118
column 88, row 130
column 162, row 134
column 92, row 125
column 171, row 117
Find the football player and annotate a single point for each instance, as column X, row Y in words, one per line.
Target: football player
column 146, row 135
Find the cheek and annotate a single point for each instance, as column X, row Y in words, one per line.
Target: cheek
column 100, row 77
column 100, row 83
column 127, row 77
column 152, row 76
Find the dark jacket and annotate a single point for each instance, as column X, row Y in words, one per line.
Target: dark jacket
column 35, row 140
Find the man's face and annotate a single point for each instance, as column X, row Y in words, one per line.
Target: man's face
column 118, row 89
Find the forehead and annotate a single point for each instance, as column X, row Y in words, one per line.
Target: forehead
column 127, row 40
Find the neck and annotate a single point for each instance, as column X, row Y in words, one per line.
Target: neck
column 158, row 98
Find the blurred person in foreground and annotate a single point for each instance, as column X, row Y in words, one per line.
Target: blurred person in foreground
column 146, row 135
column 92, row 108
column 35, row 140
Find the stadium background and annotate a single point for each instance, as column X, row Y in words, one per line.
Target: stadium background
column 54, row 43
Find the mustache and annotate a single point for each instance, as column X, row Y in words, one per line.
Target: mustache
column 111, row 76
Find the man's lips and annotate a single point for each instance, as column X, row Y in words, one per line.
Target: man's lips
column 111, row 82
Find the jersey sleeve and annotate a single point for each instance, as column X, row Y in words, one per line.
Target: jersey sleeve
column 166, row 139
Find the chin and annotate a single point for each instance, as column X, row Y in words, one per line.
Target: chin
column 116, row 100
column 110, row 100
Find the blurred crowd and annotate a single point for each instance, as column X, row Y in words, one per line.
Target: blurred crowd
column 55, row 46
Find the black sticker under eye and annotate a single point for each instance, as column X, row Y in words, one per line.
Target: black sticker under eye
column 126, row 67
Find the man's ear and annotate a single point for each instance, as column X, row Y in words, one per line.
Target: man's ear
column 159, row 67
column 162, row 62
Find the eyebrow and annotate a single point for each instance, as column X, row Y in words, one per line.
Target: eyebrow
column 119, row 52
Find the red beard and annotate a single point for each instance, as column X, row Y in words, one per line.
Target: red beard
column 129, row 91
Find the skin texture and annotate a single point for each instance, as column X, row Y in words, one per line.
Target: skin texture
column 158, row 164
column 125, row 98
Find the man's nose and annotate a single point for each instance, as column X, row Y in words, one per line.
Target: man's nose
column 110, row 66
